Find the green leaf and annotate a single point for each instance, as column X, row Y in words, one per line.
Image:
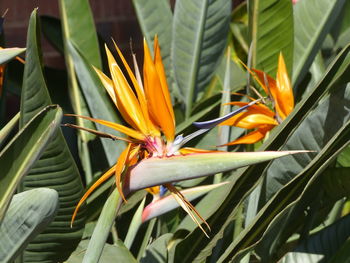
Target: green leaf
column 29, row 213
column 55, row 169
column 134, row 225
column 102, row 229
column 8, row 54
column 344, row 157
column 78, row 26
column 97, row 100
column 342, row 255
column 157, row 251
column 271, row 32
column 336, row 183
column 111, row 253
column 313, row 20
column 158, row 171
column 200, row 30
column 17, row 158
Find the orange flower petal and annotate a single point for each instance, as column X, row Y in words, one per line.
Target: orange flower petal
column 107, row 84
column 284, row 98
column 128, row 104
column 102, row 179
column 162, row 77
column 253, row 117
column 121, row 128
column 156, row 97
column 251, row 138
column 140, row 94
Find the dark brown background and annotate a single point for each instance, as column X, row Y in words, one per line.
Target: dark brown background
column 114, row 18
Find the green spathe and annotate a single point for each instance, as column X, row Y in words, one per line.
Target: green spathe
column 158, row 171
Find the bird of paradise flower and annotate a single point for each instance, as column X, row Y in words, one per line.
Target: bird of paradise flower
column 259, row 116
column 147, row 108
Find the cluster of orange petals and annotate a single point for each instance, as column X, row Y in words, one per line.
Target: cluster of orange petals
column 259, row 117
column 146, row 108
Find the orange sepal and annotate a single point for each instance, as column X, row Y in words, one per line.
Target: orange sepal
column 119, row 169
column 251, row 138
column 250, row 121
column 157, row 102
column 284, row 98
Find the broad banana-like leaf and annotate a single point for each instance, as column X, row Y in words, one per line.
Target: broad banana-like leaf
column 271, row 32
column 200, row 29
column 8, row 54
column 78, row 26
column 96, row 98
column 55, row 169
column 168, row 203
column 158, row 171
column 312, row 21
column 29, row 213
column 17, row 158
